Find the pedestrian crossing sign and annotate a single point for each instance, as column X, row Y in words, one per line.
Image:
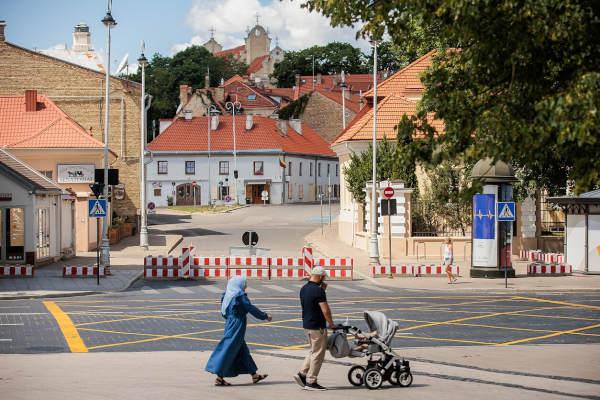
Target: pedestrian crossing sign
column 97, row 208
column 506, row 211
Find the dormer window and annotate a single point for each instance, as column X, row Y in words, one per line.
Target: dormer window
column 251, row 97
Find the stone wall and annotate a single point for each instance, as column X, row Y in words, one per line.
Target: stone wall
column 79, row 92
column 325, row 116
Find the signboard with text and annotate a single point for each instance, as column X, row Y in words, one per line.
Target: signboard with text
column 75, row 173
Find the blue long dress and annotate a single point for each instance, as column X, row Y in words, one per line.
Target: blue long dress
column 232, row 357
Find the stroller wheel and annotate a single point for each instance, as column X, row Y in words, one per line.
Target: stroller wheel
column 373, row 378
column 356, row 375
column 403, row 379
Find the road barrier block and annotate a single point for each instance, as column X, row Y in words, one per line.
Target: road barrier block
column 337, row 268
column 549, row 269
column 435, row 270
column 162, row 261
column 161, row 273
column 287, row 268
column 12, row 271
column 252, row 267
column 82, row 271
column 397, row 270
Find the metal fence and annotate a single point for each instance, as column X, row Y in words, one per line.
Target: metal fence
column 552, row 218
column 453, row 221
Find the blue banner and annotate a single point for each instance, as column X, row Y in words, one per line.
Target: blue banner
column 484, row 216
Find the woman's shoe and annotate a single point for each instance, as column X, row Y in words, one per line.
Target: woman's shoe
column 221, row 382
column 257, row 378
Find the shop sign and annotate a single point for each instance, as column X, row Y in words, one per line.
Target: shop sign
column 76, row 173
column 5, row 196
column 119, row 191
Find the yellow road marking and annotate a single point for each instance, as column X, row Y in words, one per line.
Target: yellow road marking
column 549, row 335
column 560, row 317
column 564, row 303
column 445, row 340
column 67, row 328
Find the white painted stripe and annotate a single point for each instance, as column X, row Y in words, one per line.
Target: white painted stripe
column 12, row 324
column 252, row 290
column 375, row 288
column 278, row 289
column 212, row 289
column 24, row 313
column 5, row 340
column 342, row 288
column 181, row 290
column 149, row 290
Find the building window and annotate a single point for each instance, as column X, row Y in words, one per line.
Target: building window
column 224, row 192
column 328, row 169
column 289, row 170
column 163, row 167
column 47, row 174
column 223, row 167
column 157, row 192
column 289, row 185
column 190, row 167
column 336, row 169
column 258, row 168
column 310, row 169
column 300, row 170
column 319, row 169
column 301, row 191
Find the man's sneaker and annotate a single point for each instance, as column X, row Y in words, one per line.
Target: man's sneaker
column 300, row 379
column 314, row 386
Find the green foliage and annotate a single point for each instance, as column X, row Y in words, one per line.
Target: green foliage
column 524, row 87
column 295, row 108
column 329, row 59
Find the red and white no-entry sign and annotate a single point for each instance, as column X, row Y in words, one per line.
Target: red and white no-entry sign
column 388, row 192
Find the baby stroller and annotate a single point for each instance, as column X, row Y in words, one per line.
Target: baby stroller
column 383, row 364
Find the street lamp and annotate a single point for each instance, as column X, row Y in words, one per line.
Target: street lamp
column 212, row 110
column 343, row 86
column 313, row 70
column 143, row 62
column 233, row 106
column 373, row 244
column 109, row 22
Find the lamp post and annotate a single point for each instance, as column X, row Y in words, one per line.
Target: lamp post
column 143, row 62
column 234, row 106
column 373, row 243
column 313, row 70
column 212, row 110
column 109, row 22
column 343, row 86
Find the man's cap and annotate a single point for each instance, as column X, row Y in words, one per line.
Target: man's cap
column 320, row 271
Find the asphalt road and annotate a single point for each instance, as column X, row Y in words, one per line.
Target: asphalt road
column 181, row 315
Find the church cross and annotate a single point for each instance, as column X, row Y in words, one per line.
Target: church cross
column 212, row 32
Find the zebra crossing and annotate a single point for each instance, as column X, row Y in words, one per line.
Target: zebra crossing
column 259, row 289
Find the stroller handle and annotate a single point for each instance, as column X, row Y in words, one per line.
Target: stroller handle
column 346, row 328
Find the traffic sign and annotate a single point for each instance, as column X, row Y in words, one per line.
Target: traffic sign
column 97, row 208
column 506, row 211
column 388, row 192
column 250, row 238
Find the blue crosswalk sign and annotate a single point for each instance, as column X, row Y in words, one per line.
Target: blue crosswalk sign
column 97, row 208
column 506, row 211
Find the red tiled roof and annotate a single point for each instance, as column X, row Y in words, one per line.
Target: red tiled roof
column 282, row 92
column 192, row 135
column 407, row 78
column 256, row 64
column 389, row 112
column 234, row 78
column 245, row 93
column 233, row 51
column 47, row 127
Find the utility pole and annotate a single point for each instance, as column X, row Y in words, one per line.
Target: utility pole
column 234, row 106
column 373, row 242
column 143, row 62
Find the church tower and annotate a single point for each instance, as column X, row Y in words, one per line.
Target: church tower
column 258, row 43
column 212, row 45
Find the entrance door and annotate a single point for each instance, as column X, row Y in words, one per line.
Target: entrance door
column 185, row 195
column 14, row 234
column 43, row 233
column 255, row 193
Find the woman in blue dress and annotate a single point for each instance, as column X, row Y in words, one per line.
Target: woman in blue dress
column 232, row 357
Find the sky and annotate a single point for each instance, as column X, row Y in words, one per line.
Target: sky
column 166, row 26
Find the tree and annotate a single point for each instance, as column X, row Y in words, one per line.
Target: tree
column 329, row 59
column 523, row 87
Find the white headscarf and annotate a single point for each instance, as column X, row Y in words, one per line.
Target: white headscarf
column 235, row 287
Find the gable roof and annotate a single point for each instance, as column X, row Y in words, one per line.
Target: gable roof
column 191, row 135
column 247, row 96
column 233, row 51
column 256, row 64
column 27, row 174
column 47, row 127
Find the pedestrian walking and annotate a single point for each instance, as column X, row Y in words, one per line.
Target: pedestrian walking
column 448, row 259
column 316, row 317
column 232, row 357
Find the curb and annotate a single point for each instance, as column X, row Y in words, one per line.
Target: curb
column 53, row 295
column 131, row 282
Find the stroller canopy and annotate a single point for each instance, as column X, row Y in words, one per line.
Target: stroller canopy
column 386, row 328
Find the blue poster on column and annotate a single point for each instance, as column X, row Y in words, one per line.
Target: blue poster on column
column 484, row 216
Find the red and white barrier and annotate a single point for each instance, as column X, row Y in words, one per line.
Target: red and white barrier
column 82, row 271
column 435, row 270
column 538, row 255
column 161, row 272
column 337, row 267
column 308, row 258
column 287, row 268
column 186, row 260
column 217, row 273
column 209, row 267
column 397, row 270
column 17, row 270
column 161, row 261
column 549, row 269
column 253, row 267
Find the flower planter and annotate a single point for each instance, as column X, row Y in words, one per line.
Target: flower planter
column 126, row 229
column 114, row 235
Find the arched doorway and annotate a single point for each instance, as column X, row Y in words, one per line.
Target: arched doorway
column 185, row 195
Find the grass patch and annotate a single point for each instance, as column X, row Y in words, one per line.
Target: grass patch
column 204, row 209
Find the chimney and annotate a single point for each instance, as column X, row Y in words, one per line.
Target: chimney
column 347, row 94
column 319, row 78
column 187, row 115
column 30, row 100
column 184, row 91
column 282, row 126
column 297, row 80
column 219, row 94
column 2, row 26
column 81, row 38
column 249, row 121
column 296, row 125
column 214, row 122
